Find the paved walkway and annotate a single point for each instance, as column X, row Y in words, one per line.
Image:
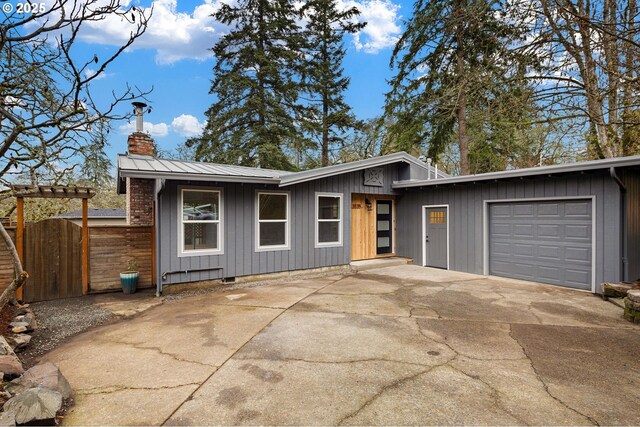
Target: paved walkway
column 397, row 345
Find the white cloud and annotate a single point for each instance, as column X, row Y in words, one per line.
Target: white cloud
column 187, row 125
column 382, row 30
column 174, row 35
column 153, row 129
column 190, row 35
column 90, row 72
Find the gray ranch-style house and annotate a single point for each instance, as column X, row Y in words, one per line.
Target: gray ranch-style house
column 573, row 225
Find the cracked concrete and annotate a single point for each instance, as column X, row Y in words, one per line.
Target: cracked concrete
column 398, row 345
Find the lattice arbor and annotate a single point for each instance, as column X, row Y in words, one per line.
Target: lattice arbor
column 22, row 192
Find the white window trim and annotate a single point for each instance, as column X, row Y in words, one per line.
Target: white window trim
column 220, row 222
column 257, row 221
column 317, row 221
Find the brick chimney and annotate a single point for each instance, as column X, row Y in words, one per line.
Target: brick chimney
column 140, row 190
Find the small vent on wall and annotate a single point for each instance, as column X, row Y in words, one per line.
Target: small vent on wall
column 374, row 177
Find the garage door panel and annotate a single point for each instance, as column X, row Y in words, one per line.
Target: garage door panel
column 549, row 230
column 523, row 250
column 549, row 252
column 553, row 245
column 578, row 209
column 578, row 232
column 579, row 255
column 523, row 230
column 502, row 248
column 523, row 271
column 576, row 278
column 549, row 210
column 525, row 209
column 502, row 230
column 549, row 274
column 502, row 211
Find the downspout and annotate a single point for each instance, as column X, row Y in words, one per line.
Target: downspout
column 159, row 186
column 623, row 220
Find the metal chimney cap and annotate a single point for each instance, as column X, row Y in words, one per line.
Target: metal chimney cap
column 138, row 104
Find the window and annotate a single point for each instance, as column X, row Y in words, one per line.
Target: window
column 200, row 222
column 272, row 212
column 437, row 217
column 328, row 219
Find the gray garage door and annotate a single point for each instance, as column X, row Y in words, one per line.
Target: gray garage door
column 548, row 242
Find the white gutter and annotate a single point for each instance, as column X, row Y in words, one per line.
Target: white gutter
column 158, row 187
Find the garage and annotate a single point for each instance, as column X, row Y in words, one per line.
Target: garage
column 547, row 241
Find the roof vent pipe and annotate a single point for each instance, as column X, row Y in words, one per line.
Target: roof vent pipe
column 138, row 111
column 435, row 176
column 429, row 168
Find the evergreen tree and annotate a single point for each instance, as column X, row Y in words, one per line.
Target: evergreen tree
column 328, row 117
column 255, row 86
column 450, row 56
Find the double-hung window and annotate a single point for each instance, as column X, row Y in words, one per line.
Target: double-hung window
column 328, row 219
column 272, row 213
column 200, row 222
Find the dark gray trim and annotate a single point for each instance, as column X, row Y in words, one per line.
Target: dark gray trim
column 623, row 222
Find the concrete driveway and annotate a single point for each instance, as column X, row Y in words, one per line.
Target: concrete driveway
column 398, row 345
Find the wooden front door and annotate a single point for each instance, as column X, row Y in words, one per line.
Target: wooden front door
column 366, row 211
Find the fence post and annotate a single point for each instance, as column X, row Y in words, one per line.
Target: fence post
column 20, row 238
column 85, row 247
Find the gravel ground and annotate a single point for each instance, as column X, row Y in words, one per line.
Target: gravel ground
column 59, row 320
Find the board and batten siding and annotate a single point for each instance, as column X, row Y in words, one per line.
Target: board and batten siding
column 466, row 204
column 631, row 179
column 239, row 227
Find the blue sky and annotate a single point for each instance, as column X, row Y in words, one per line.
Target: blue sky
column 172, row 57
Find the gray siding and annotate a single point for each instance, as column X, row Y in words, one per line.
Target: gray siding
column 465, row 202
column 631, row 179
column 240, row 257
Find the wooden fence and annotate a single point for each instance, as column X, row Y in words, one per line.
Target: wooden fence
column 110, row 248
column 6, row 262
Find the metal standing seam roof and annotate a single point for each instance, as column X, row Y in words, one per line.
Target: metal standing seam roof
column 520, row 173
column 150, row 167
column 139, row 166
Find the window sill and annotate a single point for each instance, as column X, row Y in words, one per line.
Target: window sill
column 328, row 245
column 196, row 253
column 272, row 248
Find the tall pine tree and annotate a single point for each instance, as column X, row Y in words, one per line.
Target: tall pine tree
column 450, row 56
column 327, row 117
column 256, row 87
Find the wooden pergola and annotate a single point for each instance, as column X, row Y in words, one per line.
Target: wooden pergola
column 22, row 192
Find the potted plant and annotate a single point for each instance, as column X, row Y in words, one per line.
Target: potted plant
column 129, row 278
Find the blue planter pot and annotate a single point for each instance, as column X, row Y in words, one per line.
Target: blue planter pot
column 129, row 281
